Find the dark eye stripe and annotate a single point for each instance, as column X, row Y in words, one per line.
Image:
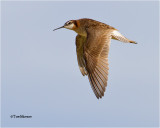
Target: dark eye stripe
column 69, row 22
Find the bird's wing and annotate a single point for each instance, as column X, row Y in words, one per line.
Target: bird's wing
column 118, row 36
column 96, row 51
column 80, row 40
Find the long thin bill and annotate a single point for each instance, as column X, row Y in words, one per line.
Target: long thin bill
column 58, row 28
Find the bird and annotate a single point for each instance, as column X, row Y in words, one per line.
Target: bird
column 92, row 48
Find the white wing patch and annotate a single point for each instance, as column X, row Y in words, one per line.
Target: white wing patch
column 117, row 35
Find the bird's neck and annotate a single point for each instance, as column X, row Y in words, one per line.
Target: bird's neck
column 80, row 29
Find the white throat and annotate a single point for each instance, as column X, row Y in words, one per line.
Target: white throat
column 69, row 26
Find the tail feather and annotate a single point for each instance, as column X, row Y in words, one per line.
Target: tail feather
column 118, row 36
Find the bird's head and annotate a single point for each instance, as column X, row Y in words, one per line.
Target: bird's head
column 71, row 24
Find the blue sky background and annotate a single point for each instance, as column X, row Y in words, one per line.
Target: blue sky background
column 40, row 74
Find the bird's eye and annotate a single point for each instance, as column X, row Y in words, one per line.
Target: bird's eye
column 69, row 23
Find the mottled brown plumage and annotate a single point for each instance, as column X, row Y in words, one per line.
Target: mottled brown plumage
column 92, row 46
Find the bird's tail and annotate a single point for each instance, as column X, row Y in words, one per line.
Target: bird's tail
column 118, row 36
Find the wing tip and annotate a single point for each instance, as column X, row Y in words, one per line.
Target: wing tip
column 100, row 97
column 133, row 42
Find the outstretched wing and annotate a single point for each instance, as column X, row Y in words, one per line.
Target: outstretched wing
column 118, row 36
column 96, row 51
column 80, row 40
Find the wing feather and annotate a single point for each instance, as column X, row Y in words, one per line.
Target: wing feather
column 118, row 36
column 93, row 86
column 96, row 51
column 80, row 40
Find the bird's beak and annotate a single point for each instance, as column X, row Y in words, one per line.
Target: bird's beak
column 58, row 28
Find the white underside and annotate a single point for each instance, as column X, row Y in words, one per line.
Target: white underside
column 119, row 36
column 116, row 33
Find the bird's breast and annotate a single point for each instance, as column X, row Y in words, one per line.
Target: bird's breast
column 81, row 31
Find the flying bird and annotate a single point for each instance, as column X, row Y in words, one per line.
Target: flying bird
column 92, row 47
